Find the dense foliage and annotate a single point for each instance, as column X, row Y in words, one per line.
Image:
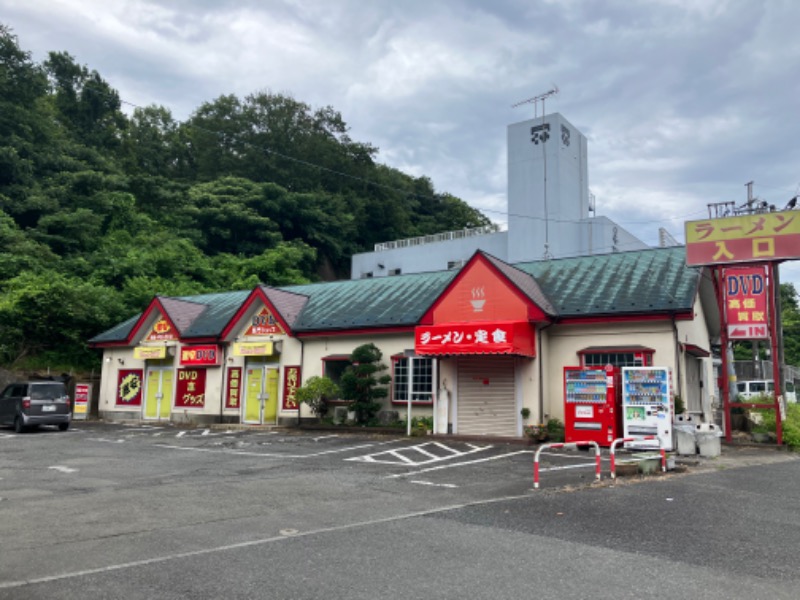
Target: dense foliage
column 363, row 385
column 790, row 321
column 100, row 210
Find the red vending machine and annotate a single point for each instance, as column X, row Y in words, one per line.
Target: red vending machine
column 592, row 405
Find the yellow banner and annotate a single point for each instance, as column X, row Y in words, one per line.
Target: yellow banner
column 761, row 225
column 253, row 349
column 149, row 353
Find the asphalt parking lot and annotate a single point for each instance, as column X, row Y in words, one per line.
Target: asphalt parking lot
column 113, row 511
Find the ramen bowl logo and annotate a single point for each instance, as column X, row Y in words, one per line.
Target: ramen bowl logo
column 478, row 299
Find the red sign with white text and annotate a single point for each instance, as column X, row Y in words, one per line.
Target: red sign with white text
column 513, row 337
column 190, row 389
column 746, row 304
column 206, row 355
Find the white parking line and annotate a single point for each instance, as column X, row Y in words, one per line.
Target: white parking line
column 459, row 464
column 269, row 454
column 63, row 469
column 404, row 456
column 444, row 485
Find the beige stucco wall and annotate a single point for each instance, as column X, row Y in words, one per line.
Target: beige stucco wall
column 565, row 341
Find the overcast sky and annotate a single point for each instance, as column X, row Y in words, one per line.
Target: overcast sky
column 683, row 101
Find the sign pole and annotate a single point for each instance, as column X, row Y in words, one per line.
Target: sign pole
column 719, row 282
column 774, row 300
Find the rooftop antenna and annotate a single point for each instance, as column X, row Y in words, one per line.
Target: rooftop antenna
column 535, row 101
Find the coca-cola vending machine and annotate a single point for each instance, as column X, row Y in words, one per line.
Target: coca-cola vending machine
column 592, row 405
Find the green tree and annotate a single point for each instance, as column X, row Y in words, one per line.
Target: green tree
column 316, row 392
column 362, row 384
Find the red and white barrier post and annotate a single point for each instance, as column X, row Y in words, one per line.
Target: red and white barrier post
column 636, row 439
column 571, row 446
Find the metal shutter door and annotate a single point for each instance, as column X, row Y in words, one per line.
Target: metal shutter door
column 486, row 398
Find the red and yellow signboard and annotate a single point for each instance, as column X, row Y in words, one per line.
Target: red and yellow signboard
column 746, row 303
column 161, row 331
column 83, row 395
column 264, row 323
column 190, row 390
column 751, row 238
column 514, row 337
column 202, row 355
column 233, row 387
column 291, row 381
column 129, row 387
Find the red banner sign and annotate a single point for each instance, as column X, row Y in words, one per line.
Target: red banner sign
column 190, row 389
column 291, row 381
column 475, row 338
column 746, row 304
column 129, row 387
column 195, row 356
column 233, row 387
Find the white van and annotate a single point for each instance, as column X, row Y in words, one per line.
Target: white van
column 748, row 389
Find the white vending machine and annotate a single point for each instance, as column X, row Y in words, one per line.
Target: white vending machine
column 647, row 405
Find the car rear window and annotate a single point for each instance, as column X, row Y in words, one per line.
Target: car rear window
column 41, row 391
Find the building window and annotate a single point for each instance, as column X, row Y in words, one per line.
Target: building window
column 455, row 264
column 367, row 275
column 414, row 376
column 333, row 366
column 395, row 271
column 617, row 359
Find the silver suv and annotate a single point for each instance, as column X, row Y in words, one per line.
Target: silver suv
column 33, row 403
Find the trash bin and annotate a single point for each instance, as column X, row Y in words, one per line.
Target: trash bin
column 685, row 440
column 708, row 439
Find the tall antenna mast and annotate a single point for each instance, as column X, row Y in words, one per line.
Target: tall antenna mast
column 535, row 101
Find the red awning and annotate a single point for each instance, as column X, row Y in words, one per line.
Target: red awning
column 695, row 350
column 505, row 337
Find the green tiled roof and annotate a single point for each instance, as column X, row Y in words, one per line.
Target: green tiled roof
column 646, row 281
column 655, row 280
column 399, row 300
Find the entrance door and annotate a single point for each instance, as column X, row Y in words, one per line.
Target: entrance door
column 158, row 393
column 694, row 384
column 261, row 395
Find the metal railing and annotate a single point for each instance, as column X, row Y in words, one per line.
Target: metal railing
column 439, row 237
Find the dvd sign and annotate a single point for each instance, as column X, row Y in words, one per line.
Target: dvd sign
column 200, row 356
column 746, row 303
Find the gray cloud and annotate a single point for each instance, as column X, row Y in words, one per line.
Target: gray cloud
column 683, row 101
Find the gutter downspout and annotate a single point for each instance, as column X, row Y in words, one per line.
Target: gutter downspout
column 541, row 370
column 678, row 370
column 223, row 384
column 302, row 355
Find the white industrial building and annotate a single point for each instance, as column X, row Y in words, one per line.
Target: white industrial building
column 550, row 208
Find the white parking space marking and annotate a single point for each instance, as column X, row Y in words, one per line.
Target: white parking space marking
column 444, row 485
column 271, row 454
column 418, row 455
column 63, row 469
column 107, row 440
column 459, row 464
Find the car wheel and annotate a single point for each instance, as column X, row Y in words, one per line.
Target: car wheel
column 18, row 426
column 63, row 426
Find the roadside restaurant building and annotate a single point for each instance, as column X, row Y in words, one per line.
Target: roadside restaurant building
column 470, row 347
